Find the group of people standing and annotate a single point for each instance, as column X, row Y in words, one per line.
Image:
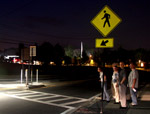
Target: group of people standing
column 120, row 82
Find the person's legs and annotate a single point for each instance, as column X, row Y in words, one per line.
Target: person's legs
column 102, row 86
column 105, row 92
column 122, row 94
column 133, row 96
column 116, row 93
column 113, row 90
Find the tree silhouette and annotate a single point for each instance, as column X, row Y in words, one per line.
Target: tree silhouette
column 69, row 51
column 59, row 53
column 85, row 57
column 45, row 53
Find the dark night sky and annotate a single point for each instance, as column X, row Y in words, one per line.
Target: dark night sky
column 68, row 22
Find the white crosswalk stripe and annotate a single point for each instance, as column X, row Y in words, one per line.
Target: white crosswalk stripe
column 47, row 98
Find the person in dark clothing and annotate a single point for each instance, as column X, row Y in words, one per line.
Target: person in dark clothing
column 103, row 82
column 122, row 85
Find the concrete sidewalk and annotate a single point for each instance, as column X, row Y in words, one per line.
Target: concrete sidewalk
column 94, row 106
column 10, row 85
column 16, row 84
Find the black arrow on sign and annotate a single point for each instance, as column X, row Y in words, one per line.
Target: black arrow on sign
column 104, row 43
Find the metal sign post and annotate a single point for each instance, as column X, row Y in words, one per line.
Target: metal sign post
column 101, row 111
column 26, row 75
column 37, row 79
column 21, row 76
column 22, row 69
column 31, row 75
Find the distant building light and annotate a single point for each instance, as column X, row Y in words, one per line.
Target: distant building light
column 63, row 62
column 37, row 63
column 52, row 63
column 14, row 60
column 90, row 56
column 142, row 64
column 10, row 56
column 92, row 62
column 87, row 64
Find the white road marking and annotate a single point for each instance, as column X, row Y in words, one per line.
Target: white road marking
column 44, row 98
column 15, row 92
column 34, row 100
column 48, row 97
column 58, row 100
column 74, row 102
column 19, row 94
column 34, row 96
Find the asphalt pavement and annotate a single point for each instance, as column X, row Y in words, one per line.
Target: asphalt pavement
column 60, row 96
column 19, row 100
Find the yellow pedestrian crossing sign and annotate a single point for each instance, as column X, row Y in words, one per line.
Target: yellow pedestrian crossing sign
column 104, row 43
column 105, row 21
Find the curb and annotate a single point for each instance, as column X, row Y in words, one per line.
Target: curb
column 89, row 102
column 35, row 86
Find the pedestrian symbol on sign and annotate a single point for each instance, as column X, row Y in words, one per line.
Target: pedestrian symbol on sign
column 107, row 17
column 105, row 21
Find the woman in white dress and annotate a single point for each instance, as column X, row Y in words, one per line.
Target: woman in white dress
column 115, row 82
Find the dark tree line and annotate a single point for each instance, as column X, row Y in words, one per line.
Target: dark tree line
column 110, row 56
column 46, row 52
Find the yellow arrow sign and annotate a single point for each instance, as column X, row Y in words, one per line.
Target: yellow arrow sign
column 105, row 21
column 104, row 43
